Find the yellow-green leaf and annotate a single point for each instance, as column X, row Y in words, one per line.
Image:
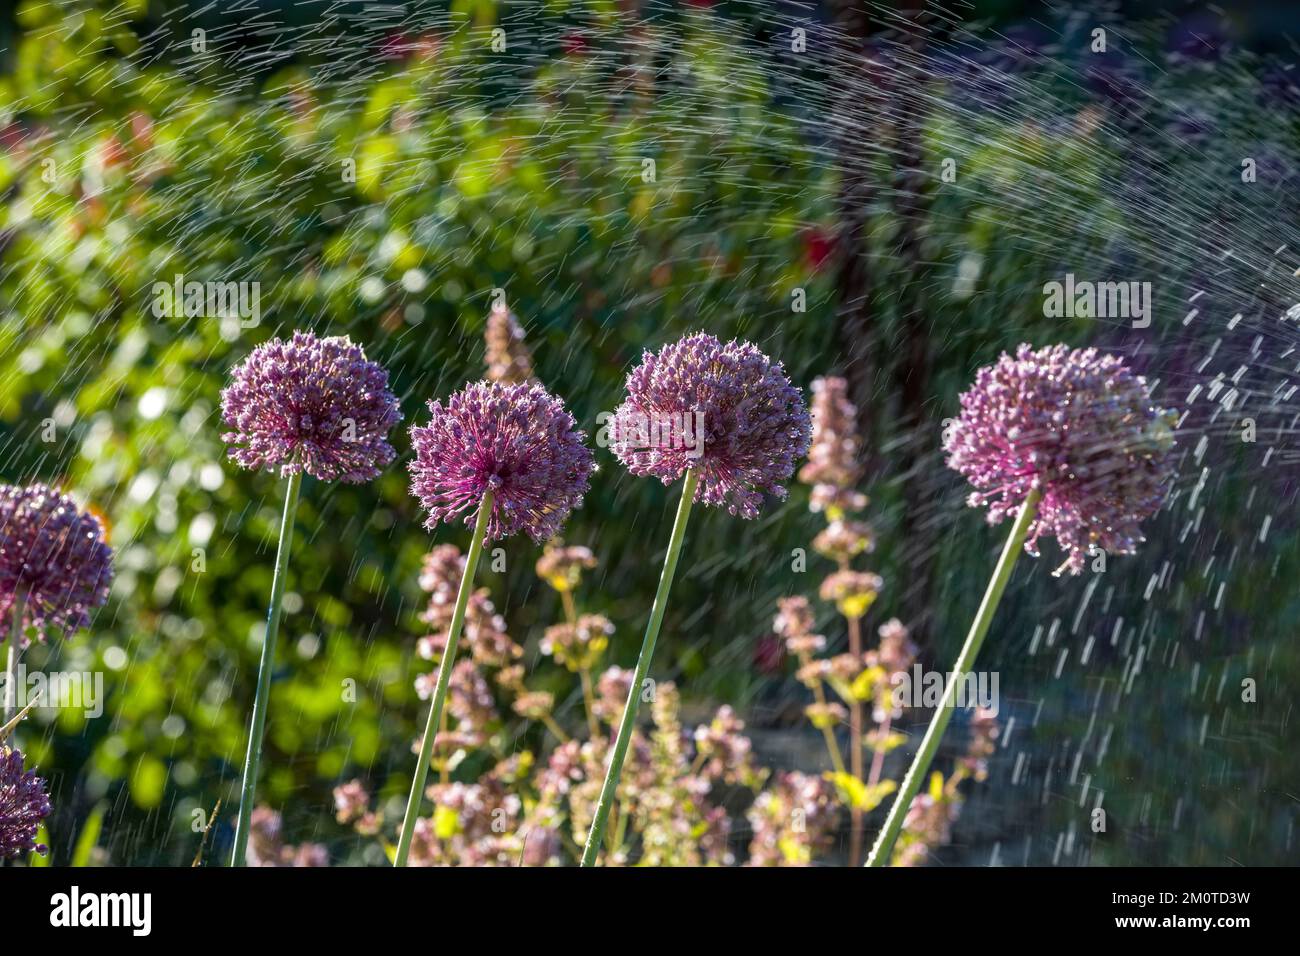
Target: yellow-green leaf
column 936, row 785
column 446, row 823
column 88, row 837
column 857, row 794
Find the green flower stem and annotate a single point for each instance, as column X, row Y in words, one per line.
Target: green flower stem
column 444, row 680
column 855, row 746
column 11, row 657
column 589, row 702
column 881, row 852
column 588, row 695
column 832, row 745
column 257, row 729
column 615, row 770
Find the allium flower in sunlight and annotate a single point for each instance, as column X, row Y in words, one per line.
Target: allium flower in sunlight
column 310, row 405
column 727, row 411
column 23, row 805
column 53, row 559
column 516, row 441
column 1082, row 429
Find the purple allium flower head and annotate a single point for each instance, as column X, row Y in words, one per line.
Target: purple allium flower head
column 1082, row 429
column 310, row 405
column 53, row 556
column 23, row 805
column 727, row 411
column 516, row 441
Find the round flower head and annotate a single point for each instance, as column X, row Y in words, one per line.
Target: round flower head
column 310, row 405
column 1082, row 429
column 516, row 441
column 53, row 558
column 23, row 805
column 727, row 411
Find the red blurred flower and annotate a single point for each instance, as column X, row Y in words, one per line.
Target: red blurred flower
column 769, row 654
column 818, row 246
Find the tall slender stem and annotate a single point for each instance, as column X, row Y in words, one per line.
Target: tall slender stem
column 11, row 655
column 257, row 728
column 855, row 744
column 588, row 697
column 608, row 792
column 832, row 745
column 444, row 681
column 884, row 847
column 589, row 702
column 878, row 752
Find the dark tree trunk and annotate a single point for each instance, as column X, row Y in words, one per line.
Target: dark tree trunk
column 858, row 140
column 915, row 437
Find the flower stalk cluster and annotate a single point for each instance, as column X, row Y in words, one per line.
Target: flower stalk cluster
column 534, row 806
